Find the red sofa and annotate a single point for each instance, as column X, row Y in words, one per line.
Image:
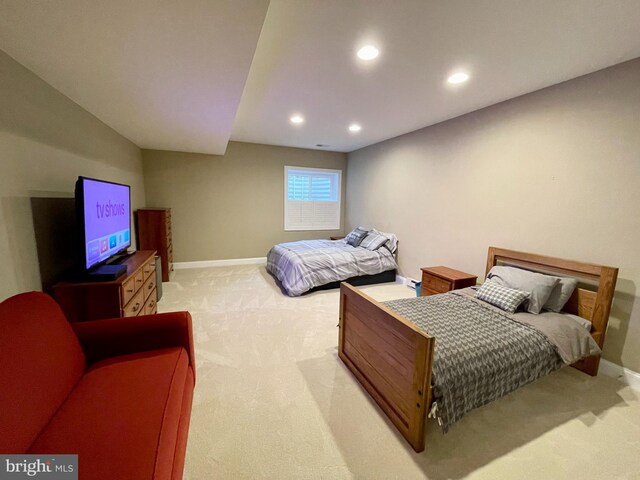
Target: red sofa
column 116, row 392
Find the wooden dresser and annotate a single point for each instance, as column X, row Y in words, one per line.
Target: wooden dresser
column 134, row 293
column 153, row 226
column 444, row 279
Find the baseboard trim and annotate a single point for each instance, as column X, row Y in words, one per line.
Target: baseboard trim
column 220, row 263
column 624, row 375
column 401, row 280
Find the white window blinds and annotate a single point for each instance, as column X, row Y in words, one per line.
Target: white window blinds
column 311, row 198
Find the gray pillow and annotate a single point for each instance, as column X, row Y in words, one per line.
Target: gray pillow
column 555, row 317
column 584, row 323
column 392, row 240
column 373, row 241
column 356, row 236
column 504, row 298
column 570, row 338
column 561, row 294
column 538, row 286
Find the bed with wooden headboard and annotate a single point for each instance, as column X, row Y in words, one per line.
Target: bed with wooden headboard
column 392, row 358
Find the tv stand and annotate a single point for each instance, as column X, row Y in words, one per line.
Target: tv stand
column 105, row 273
column 120, row 258
column 131, row 294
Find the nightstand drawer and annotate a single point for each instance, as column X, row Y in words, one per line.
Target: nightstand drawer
column 426, row 292
column 434, row 283
column 444, row 279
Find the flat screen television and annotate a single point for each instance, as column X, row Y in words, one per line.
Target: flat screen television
column 104, row 215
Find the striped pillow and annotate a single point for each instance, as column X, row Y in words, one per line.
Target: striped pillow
column 507, row 299
column 373, row 241
column 356, row 236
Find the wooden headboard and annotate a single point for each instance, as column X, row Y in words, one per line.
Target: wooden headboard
column 594, row 304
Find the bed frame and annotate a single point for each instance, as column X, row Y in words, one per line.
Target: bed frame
column 362, row 280
column 391, row 357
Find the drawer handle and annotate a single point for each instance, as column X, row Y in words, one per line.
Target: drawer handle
column 150, row 287
column 152, row 304
column 129, row 291
column 136, row 307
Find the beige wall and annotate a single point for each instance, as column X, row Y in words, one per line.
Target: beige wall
column 555, row 172
column 232, row 205
column 46, row 142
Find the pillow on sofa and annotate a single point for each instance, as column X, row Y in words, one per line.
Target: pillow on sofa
column 356, row 236
column 507, row 299
column 538, row 286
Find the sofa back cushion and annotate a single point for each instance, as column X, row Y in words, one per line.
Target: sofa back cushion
column 40, row 362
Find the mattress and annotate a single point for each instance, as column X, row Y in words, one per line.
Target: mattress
column 482, row 353
column 304, row 265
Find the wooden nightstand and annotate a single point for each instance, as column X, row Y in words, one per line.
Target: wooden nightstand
column 444, row 279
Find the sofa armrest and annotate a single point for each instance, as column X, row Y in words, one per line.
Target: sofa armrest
column 101, row 339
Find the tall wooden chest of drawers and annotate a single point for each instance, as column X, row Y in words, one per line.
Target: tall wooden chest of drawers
column 153, row 226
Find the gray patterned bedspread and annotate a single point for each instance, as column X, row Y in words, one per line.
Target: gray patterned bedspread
column 301, row 266
column 480, row 352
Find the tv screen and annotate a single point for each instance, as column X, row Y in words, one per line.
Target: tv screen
column 105, row 214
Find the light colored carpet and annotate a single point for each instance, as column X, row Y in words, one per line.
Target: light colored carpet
column 273, row 400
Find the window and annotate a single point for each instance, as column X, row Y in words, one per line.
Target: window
column 311, row 198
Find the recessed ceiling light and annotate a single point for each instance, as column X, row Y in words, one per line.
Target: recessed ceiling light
column 458, row 77
column 368, row 52
column 297, row 119
column 354, row 127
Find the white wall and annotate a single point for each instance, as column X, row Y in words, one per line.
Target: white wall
column 46, row 142
column 231, row 205
column 555, row 172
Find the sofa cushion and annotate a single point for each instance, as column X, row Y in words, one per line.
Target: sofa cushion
column 183, row 427
column 41, row 362
column 123, row 416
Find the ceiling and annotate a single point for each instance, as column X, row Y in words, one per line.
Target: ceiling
column 191, row 75
column 165, row 74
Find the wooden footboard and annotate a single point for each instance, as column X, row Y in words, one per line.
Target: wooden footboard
column 391, row 358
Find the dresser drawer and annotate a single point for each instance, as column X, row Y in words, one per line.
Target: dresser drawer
column 149, row 286
column 150, row 306
column 138, row 278
column 434, row 283
column 149, row 269
column 128, row 290
column 135, row 306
